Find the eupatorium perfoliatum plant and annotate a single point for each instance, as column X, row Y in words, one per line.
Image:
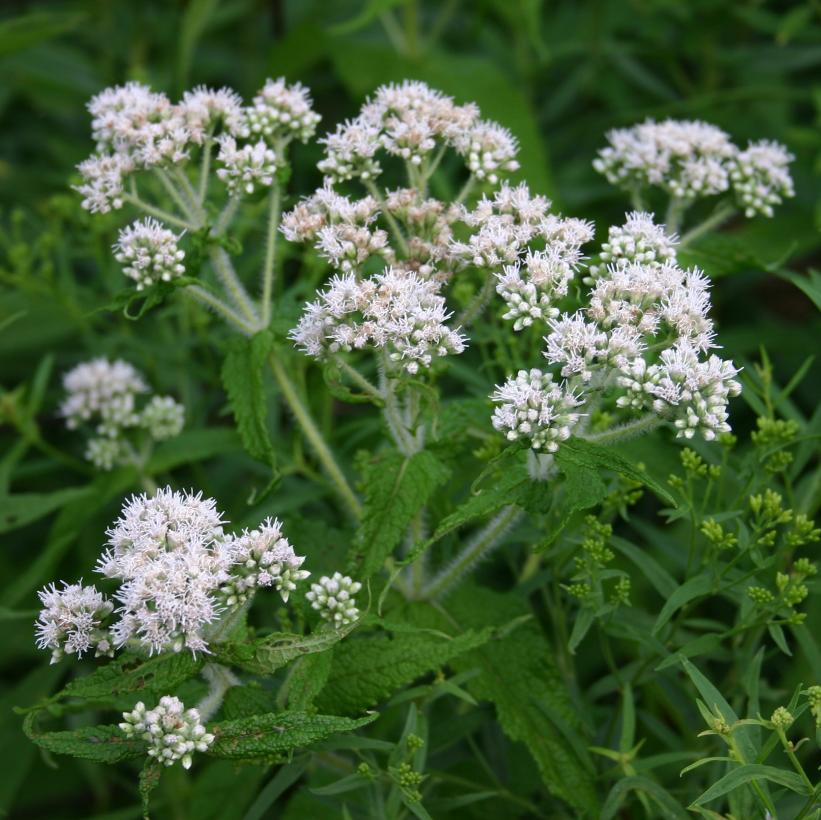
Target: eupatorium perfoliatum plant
column 519, row 381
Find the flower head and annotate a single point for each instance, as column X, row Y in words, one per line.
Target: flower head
column 245, row 168
column 333, row 599
column 281, row 112
column 149, row 253
column 761, row 177
column 102, row 182
column 71, row 621
column 204, row 110
column 173, row 733
column 163, row 417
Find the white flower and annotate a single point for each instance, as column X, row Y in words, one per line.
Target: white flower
column 163, row 417
column 149, row 253
column 396, row 311
column 350, row 150
column 281, row 111
column 247, row 167
column 102, row 185
column 104, row 389
column 532, row 406
column 687, row 158
column 173, row 733
column 639, row 240
column 761, row 177
column 71, row 621
column 105, row 452
column 262, row 558
column 489, row 150
column 333, row 599
column 205, row 109
column 150, row 526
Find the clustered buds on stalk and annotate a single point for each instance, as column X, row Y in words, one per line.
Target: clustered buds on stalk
column 172, row 731
column 104, row 394
column 639, row 343
column 692, row 159
column 149, row 253
column 179, row 573
column 333, row 599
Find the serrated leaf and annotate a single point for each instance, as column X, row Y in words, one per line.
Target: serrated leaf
column 242, row 377
column 520, row 677
column 263, row 736
column 266, row 655
column 248, row 700
column 158, row 676
column 598, row 457
column 395, row 489
column 100, row 744
column 369, row 670
column 307, row 679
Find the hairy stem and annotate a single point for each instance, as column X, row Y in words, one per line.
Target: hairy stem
column 315, row 438
column 625, row 431
column 208, row 299
column 477, row 304
column 480, row 545
column 205, row 169
column 270, row 252
column 358, row 379
column 224, row 269
column 389, row 217
column 175, row 194
column 675, row 213
column 157, row 213
column 220, row 679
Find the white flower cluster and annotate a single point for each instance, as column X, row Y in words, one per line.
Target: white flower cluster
column 761, row 177
column 642, row 340
column 532, row 406
column 173, row 733
column 104, row 394
column 692, row 159
column 149, row 253
column 395, row 311
column 333, row 599
column 263, row 558
column 136, row 128
column 179, row 572
column 281, row 112
column 71, row 621
column 411, row 121
column 245, row 168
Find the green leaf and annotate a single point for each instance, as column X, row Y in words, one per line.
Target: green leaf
column 520, row 677
column 20, row 509
column 265, row 655
column 246, row 701
column 307, row 678
column 242, row 377
column 598, row 457
column 810, row 284
column 662, row 581
column 668, row 806
column 395, row 489
column 263, row 736
column 100, row 744
column 159, row 676
column 690, row 590
column 25, row 31
column 150, row 775
column 749, row 773
column 192, row 446
column 369, row 670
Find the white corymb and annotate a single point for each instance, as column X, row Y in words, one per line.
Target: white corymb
column 71, row 621
column 761, row 177
column 333, row 598
column 102, row 182
column 172, row 731
column 101, row 389
column 149, row 253
column 395, row 311
column 247, row 167
column 280, row 112
column 163, row 417
column 489, row 150
column 263, row 557
column 205, row 110
column 688, row 158
column 532, row 406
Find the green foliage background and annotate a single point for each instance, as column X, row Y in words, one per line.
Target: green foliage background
column 558, row 74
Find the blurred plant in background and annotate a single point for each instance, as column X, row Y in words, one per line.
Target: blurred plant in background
column 492, row 630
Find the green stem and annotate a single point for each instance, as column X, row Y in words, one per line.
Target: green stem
column 190, row 195
column 675, row 213
column 718, row 218
column 270, row 253
column 224, row 269
column 225, row 216
column 389, row 217
column 314, row 437
column 158, row 213
column 481, row 544
column 477, row 304
column 218, row 306
column 625, row 431
column 466, row 189
column 205, row 169
column 358, row 379
column 175, row 194
column 220, row 679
